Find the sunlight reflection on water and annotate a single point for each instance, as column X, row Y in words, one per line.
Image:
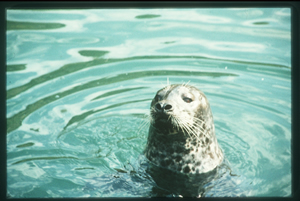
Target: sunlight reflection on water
column 80, row 83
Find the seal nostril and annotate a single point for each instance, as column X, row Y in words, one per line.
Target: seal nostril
column 162, row 107
column 168, row 107
column 158, row 106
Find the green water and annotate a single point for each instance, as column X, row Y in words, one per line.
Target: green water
column 80, row 83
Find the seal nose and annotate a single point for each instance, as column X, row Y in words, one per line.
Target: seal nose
column 163, row 107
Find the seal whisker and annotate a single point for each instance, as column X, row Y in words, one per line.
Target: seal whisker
column 195, row 131
column 199, row 127
column 146, row 121
column 184, row 123
column 152, row 114
column 192, row 126
column 185, row 126
column 185, row 84
column 198, row 120
column 175, row 123
column 199, row 124
column 168, row 87
column 181, row 126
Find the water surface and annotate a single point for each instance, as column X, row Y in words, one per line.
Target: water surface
column 80, row 83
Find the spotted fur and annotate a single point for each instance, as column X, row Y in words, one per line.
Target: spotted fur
column 182, row 134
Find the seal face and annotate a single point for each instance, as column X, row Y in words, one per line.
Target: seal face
column 182, row 134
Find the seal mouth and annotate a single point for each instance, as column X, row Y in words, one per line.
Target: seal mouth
column 163, row 122
column 163, row 117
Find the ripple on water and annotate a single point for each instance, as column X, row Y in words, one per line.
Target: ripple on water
column 77, row 97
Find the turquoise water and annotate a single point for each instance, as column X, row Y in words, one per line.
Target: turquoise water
column 80, row 83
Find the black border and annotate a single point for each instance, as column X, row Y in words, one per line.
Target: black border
column 294, row 5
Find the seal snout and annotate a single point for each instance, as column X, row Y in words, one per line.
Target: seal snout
column 163, row 107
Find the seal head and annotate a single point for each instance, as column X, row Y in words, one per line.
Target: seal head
column 182, row 134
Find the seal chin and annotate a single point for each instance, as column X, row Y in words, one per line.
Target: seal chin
column 162, row 117
column 163, row 120
column 165, row 124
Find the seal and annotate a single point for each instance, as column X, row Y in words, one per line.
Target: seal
column 182, row 134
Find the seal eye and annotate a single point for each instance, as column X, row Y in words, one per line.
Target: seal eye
column 187, row 100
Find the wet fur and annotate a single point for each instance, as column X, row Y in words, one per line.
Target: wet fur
column 183, row 138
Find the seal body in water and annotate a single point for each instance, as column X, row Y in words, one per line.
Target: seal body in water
column 182, row 134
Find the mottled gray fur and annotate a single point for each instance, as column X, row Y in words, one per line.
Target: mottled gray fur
column 182, row 134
